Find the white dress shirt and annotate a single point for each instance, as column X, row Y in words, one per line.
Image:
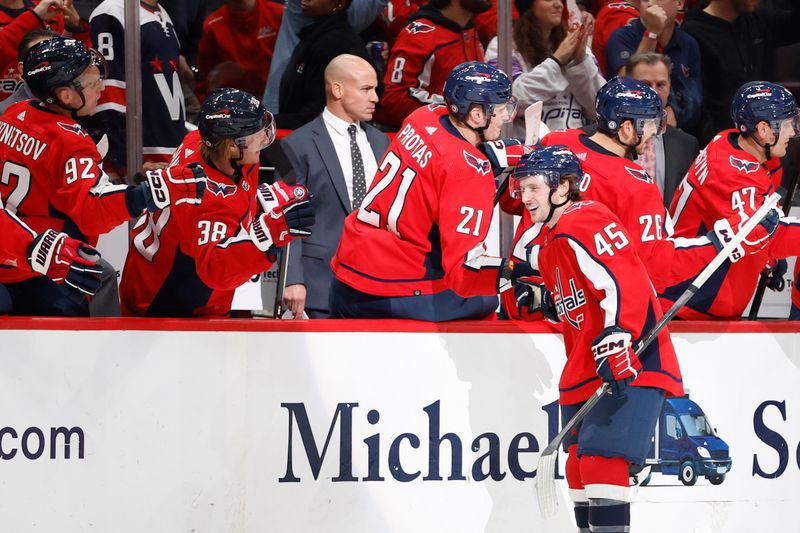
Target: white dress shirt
column 337, row 129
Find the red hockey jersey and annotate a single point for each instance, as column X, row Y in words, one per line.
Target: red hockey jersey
column 422, row 57
column 15, row 237
column 612, row 16
column 725, row 181
column 421, row 227
column 52, row 177
column 590, row 265
column 246, row 38
column 187, row 260
column 633, row 196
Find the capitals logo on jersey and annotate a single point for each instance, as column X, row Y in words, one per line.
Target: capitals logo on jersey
column 220, row 189
column 481, row 165
column 744, row 165
column 567, row 303
column 419, row 27
column 74, row 128
column 639, row 174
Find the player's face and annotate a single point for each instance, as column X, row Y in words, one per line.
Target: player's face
column 656, row 76
column 501, row 114
column 359, row 95
column 548, row 12
column 92, row 86
column 535, row 195
column 789, row 130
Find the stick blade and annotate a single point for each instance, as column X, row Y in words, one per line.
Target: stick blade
column 533, row 116
column 546, row 485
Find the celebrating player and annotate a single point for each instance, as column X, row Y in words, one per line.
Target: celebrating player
column 731, row 176
column 186, row 261
column 51, row 167
column 604, row 297
column 415, row 248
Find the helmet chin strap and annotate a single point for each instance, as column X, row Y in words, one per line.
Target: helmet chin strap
column 72, row 111
column 553, row 206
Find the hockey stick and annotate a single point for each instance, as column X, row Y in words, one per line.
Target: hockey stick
column 281, row 288
column 787, row 206
column 545, row 469
column 533, row 118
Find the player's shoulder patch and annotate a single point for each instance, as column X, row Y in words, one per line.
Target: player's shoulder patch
column 481, row 165
column 639, row 174
column 220, row 189
column 416, row 26
column 72, row 128
column 743, row 165
column 578, row 205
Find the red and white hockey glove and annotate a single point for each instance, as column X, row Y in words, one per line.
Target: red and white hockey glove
column 287, row 214
column 504, row 153
column 175, row 185
column 755, row 241
column 65, row 260
column 614, row 358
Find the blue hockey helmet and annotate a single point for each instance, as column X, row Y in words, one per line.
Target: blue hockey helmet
column 553, row 163
column 58, row 62
column 479, row 83
column 624, row 99
column 234, row 114
column 758, row 101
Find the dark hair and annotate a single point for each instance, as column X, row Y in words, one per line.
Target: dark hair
column 39, row 34
column 648, row 58
column 529, row 40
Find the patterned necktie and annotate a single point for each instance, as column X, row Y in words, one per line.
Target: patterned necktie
column 359, row 178
column 647, row 159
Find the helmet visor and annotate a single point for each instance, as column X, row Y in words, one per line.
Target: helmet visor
column 517, row 188
column 255, row 142
column 650, row 127
column 98, row 61
column 506, row 112
column 793, row 124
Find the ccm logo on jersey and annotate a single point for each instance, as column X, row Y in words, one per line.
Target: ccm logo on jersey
column 220, row 189
column 744, row 165
column 481, row 165
column 419, row 27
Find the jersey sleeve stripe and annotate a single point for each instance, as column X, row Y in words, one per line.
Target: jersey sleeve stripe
column 601, row 278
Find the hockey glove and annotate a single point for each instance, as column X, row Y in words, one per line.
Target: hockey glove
column 776, row 275
column 65, row 260
column 287, row 214
column 615, row 360
column 532, row 297
column 173, row 186
column 756, row 240
column 504, row 153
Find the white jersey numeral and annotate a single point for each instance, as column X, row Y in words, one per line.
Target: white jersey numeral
column 20, row 189
column 615, row 238
column 391, row 166
column 148, row 241
column 652, row 227
column 463, row 226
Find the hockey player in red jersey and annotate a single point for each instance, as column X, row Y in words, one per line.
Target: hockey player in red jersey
column 731, row 177
column 188, row 262
column 415, row 248
column 439, row 37
column 606, row 302
column 51, row 167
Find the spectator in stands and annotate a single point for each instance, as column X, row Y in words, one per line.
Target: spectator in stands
column 736, row 40
column 336, row 156
column 613, row 15
column 31, row 38
column 440, row 36
column 675, row 150
column 242, row 32
column 302, row 94
column 163, row 107
column 18, row 17
column 360, row 14
column 552, row 65
column 656, row 30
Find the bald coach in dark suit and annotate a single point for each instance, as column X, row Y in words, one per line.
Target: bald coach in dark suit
column 335, row 156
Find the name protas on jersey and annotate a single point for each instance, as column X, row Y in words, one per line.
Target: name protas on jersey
column 412, row 142
column 20, row 141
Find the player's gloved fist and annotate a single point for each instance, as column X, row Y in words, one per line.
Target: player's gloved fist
column 511, row 271
column 65, row 260
column 776, row 274
column 504, row 153
column 614, row 358
column 287, row 214
column 532, row 297
column 173, row 186
column 755, row 241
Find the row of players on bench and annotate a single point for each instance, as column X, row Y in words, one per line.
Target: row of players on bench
column 415, row 249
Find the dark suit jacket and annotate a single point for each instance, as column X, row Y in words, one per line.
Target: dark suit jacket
column 680, row 149
column 313, row 158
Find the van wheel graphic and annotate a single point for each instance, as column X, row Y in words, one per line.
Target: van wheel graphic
column 717, row 480
column 688, row 473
